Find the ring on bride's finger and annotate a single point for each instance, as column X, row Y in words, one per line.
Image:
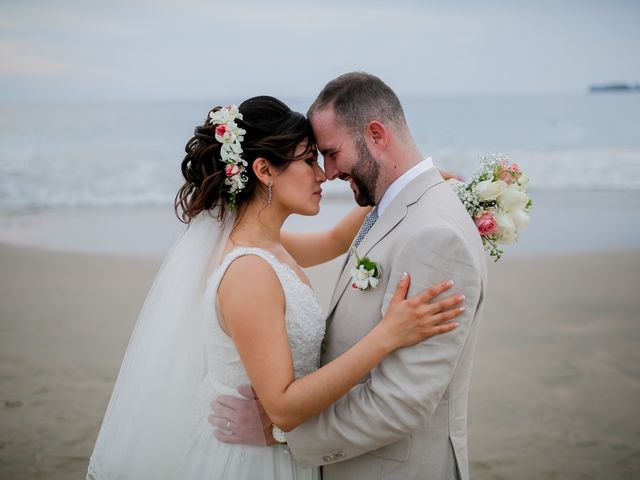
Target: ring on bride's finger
column 228, row 426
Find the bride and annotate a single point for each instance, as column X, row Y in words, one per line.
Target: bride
column 232, row 306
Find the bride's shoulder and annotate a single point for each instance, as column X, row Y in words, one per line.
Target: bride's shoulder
column 249, row 278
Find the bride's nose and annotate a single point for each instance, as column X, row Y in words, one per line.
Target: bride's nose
column 321, row 177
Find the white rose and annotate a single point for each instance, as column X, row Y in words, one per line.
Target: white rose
column 507, row 232
column 488, row 190
column 512, row 199
column 509, row 237
column 520, row 218
column 523, row 183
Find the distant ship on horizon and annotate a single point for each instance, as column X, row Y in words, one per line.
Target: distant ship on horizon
column 615, row 87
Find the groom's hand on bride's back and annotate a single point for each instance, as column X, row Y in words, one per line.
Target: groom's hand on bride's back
column 243, row 421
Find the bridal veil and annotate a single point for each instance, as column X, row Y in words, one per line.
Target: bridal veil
column 147, row 422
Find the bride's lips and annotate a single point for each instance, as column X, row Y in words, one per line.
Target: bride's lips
column 318, row 192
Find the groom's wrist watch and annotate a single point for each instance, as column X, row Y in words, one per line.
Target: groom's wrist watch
column 278, row 435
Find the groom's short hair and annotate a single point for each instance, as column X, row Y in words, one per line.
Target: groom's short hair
column 358, row 98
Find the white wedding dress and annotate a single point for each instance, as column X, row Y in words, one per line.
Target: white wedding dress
column 204, row 456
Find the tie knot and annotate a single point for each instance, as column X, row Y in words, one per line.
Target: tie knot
column 366, row 226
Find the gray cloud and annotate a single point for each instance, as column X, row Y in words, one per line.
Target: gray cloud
column 196, row 49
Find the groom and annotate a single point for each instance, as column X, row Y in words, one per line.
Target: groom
column 408, row 418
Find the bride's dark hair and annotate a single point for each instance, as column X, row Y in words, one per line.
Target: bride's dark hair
column 273, row 132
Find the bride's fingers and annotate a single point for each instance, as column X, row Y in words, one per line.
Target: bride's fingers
column 401, row 289
column 432, row 292
column 442, row 305
column 441, row 319
column 440, row 329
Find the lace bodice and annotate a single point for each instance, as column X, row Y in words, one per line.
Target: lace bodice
column 304, row 321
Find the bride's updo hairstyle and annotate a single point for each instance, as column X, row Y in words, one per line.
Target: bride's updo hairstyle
column 273, row 131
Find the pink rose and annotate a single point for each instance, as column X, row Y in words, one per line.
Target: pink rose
column 509, row 173
column 515, row 172
column 486, row 224
column 221, row 130
column 505, row 176
column 231, row 170
column 503, row 172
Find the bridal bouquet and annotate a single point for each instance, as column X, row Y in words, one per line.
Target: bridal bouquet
column 496, row 199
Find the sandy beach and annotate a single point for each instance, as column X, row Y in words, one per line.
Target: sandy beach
column 554, row 391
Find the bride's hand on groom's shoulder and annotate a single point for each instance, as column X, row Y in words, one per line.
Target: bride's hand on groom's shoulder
column 408, row 321
column 447, row 175
column 241, row 421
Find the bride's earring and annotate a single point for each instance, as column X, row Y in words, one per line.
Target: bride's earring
column 269, row 193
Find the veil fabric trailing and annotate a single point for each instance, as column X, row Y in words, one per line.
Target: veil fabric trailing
column 147, row 422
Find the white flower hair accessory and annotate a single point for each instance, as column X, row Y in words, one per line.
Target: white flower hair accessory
column 366, row 273
column 231, row 136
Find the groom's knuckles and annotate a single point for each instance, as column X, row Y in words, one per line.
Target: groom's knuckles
column 247, row 391
column 222, row 410
column 227, row 400
column 218, row 422
column 224, row 438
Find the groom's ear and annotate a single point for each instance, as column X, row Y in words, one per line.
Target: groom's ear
column 263, row 170
column 377, row 134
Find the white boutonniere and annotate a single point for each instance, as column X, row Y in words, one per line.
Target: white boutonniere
column 366, row 273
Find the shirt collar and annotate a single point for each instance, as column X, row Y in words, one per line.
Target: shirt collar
column 402, row 181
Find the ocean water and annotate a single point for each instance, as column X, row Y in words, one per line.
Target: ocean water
column 101, row 178
column 128, row 154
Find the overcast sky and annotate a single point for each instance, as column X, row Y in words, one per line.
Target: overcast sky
column 194, row 49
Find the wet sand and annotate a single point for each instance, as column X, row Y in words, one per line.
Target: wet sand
column 555, row 386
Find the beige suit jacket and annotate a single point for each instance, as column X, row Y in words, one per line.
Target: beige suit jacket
column 408, row 418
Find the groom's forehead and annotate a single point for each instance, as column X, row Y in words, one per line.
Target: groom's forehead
column 327, row 128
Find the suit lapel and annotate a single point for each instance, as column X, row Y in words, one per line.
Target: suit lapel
column 384, row 225
column 392, row 216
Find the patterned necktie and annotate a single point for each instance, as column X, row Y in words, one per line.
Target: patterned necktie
column 364, row 229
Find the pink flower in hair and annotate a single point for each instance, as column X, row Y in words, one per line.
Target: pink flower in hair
column 232, row 170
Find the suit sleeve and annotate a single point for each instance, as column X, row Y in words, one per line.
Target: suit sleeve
column 404, row 390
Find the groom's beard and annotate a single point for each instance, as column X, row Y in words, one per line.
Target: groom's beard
column 365, row 174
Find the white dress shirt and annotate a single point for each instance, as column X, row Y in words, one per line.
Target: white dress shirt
column 402, row 181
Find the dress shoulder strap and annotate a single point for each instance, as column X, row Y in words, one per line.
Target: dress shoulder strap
column 238, row 252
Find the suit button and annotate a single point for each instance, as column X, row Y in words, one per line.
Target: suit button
column 323, row 346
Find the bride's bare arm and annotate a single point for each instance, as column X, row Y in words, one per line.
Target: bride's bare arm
column 309, row 249
column 253, row 305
